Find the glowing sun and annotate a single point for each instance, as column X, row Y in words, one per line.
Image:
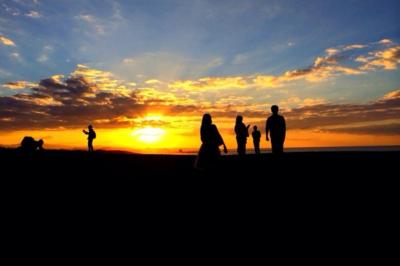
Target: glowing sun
column 148, row 134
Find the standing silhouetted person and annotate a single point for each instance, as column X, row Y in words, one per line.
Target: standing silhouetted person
column 256, row 134
column 242, row 133
column 91, row 136
column 276, row 126
column 211, row 140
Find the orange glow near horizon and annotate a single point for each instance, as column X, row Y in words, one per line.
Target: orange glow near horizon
column 150, row 139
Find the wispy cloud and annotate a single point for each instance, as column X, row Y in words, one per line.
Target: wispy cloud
column 33, row 14
column 11, row 10
column 210, row 83
column 355, row 59
column 42, row 58
column 6, row 41
column 19, row 85
column 128, row 60
column 45, row 54
column 93, row 22
column 16, row 56
column 102, row 26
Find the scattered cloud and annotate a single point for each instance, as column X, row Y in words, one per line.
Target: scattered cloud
column 385, row 41
column 392, row 129
column 392, row 95
column 210, row 83
column 102, row 25
column 153, row 81
column 93, row 22
column 11, row 10
column 42, row 58
column 128, row 61
column 328, row 116
column 355, row 59
column 354, row 46
column 298, row 102
column 55, row 103
column 387, row 59
column 240, row 59
column 33, row 14
column 6, row 41
column 215, row 62
column 16, row 56
column 313, row 101
column 93, row 95
column 4, row 72
column 19, row 85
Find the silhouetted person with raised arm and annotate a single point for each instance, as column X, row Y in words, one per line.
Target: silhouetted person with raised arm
column 276, row 127
column 256, row 134
column 242, row 133
column 211, row 140
column 91, row 136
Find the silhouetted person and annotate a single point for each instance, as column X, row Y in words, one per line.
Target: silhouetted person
column 276, row 126
column 29, row 144
column 91, row 136
column 256, row 134
column 211, row 140
column 242, row 133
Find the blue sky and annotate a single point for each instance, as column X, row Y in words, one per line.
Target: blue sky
column 263, row 36
column 293, row 53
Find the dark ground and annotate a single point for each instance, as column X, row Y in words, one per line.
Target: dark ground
column 330, row 195
column 291, row 166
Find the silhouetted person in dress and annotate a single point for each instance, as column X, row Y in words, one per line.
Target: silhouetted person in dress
column 256, row 134
column 242, row 133
column 29, row 144
column 91, row 136
column 211, row 140
column 276, row 127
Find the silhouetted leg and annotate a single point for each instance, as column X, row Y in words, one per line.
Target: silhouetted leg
column 241, row 148
column 277, row 147
column 257, row 147
column 90, row 145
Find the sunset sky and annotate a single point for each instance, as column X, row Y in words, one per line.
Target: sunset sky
column 144, row 72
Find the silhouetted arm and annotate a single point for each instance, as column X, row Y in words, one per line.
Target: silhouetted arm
column 223, row 143
column 84, row 131
column 284, row 128
column 267, row 130
column 220, row 140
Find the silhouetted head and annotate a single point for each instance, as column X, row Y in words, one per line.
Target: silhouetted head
column 90, row 127
column 255, row 128
column 275, row 109
column 239, row 119
column 206, row 120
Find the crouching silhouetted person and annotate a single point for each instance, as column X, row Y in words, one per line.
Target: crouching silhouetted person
column 29, row 144
column 91, row 136
column 211, row 140
column 276, row 127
